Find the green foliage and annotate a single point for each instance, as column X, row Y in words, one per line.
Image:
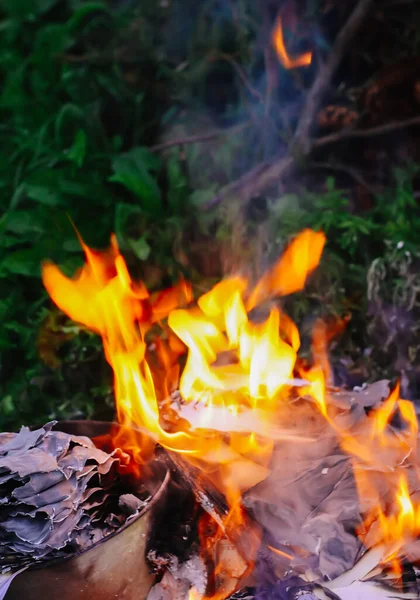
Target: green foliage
column 329, row 212
column 356, row 238
column 73, row 139
column 370, row 258
column 85, row 89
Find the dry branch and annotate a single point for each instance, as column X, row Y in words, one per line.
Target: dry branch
column 350, row 171
column 202, row 137
column 367, row 133
column 247, row 182
column 268, row 173
column 322, row 82
column 211, row 500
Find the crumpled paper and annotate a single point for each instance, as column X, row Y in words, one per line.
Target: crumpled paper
column 310, row 500
column 290, row 588
column 59, row 495
column 178, row 579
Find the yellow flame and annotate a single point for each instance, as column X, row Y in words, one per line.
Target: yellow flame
column 376, row 445
column 234, row 367
column 233, row 364
column 404, row 524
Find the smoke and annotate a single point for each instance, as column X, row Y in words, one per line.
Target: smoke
column 230, row 73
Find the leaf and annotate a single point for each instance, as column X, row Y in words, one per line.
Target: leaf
column 44, row 195
column 117, row 143
column 69, row 112
column 18, row 195
column 22, row 222
column 7, row 405
column 23, row 9
column 56, row 187
column 12, row 94
column 177, row 192
column 133, row 170
column 201, row 197
column 71, row 264
column 76, row 188
column 51, row 41
column 21, row 262
column 9, row 241
column 140, row 247
column 77, row 152
column 84, row 11
column 330, row 184
column 124, row 212
column 72, row 245
column 170, row 115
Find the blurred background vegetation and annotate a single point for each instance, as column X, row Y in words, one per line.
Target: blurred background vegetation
column 130, row 117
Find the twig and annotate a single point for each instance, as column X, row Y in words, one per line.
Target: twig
column 351, row 171
column 203, row 137
column 240, row 72
column 393, row 3
column 366, row 133
column 98, row 58
column 271, row 74
column 268, row 172
column 239, row 185
column 284, row 166
column 211, row 499
column 323, row 79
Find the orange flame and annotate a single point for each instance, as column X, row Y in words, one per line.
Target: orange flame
column 289, row 274
column 234, row 366
column 303, row 60
column 394, row 520
column 377, row 443
column 377, row 448
column 237, row 378
column 406, row 523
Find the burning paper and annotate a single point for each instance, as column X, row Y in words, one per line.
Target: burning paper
column 247, row 407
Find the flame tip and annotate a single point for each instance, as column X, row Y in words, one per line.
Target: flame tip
column 236, row 370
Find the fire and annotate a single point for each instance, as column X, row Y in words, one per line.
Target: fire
column 261, row 356
column 289, row 274
column 234, row 366
column 396, row 527
column 393, row 520
column 239, row 372
column 378, row 443
column 375, row 446
column 406, row 522
column 303, row 60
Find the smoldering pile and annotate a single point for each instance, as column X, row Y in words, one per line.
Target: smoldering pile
column 59, row 495
column 309, row 510
column 310, row 521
